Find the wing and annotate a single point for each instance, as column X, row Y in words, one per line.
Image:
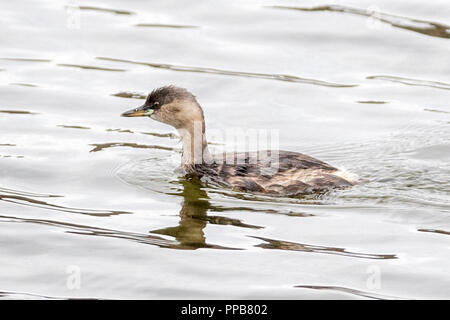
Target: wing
column 281, row 173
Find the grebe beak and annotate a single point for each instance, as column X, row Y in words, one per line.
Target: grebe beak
column 142, row 111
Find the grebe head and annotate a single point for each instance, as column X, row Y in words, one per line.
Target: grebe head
column 179, row 108
column 171, row 105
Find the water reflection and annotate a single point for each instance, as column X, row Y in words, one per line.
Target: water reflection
column 292, row 246
column 372, row 102
column 26, row 199
column 194, row 218
column 17, row 112
column 25, row 60
column 154, row 134
column 102, row 146
column 428, row 28
column 413, row 82
column 25, row 295
column 188, row 234
column 28, row 194
column 280, row 77
column 435, row 110
column 116, row 11
column 79, row 66
column 126, row 94
column 95, row 231
column 73, row 127
column 170, row 26
column 435, row 231
column 23, row 84
column 350, row 291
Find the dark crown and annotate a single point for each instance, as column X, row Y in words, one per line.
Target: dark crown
column 167, row 94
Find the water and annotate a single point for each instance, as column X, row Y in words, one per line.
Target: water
column 86, row 195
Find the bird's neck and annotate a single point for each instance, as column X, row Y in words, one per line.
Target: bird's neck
column 195, row 146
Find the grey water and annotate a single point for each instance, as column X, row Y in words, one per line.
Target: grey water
column 92, row 205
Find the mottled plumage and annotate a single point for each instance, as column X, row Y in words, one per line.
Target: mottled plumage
column 290, row 174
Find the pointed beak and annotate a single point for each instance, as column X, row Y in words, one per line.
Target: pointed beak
column 138, row 112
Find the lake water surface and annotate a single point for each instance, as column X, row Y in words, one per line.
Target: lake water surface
column 92, row 206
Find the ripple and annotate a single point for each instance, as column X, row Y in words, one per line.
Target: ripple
column 26, row 199
column 90, row 67
column 372, row 102
column 435, row 231
column 405, row 169
column 26, row 59
column 154, row 134
column 413, row 82
column 349, row 291
column 24, row 295
column 120, row 130
column 283, row 211
column 10, row 156
column 435, row 110
column 103, row 146
column 23, row 84
column 127, row 94
column 399, row 169
column 293, row 246
column 73, row 127
column 28, row 194
column 17, row 112
column 425, row 27
column 157, row 174
column 115, row 11
column 280, row 77
column 161, row 135
column 142, row 238
column 14, row 295
column 162, row 174
column 307, row 199
column 170, row 26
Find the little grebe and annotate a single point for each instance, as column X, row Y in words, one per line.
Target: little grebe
column 295, row 174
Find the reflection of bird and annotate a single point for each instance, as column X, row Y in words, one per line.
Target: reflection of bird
column 194, row 218
column 193, row 213
column 273, row 172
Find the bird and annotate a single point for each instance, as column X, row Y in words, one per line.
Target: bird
column 267, row 172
